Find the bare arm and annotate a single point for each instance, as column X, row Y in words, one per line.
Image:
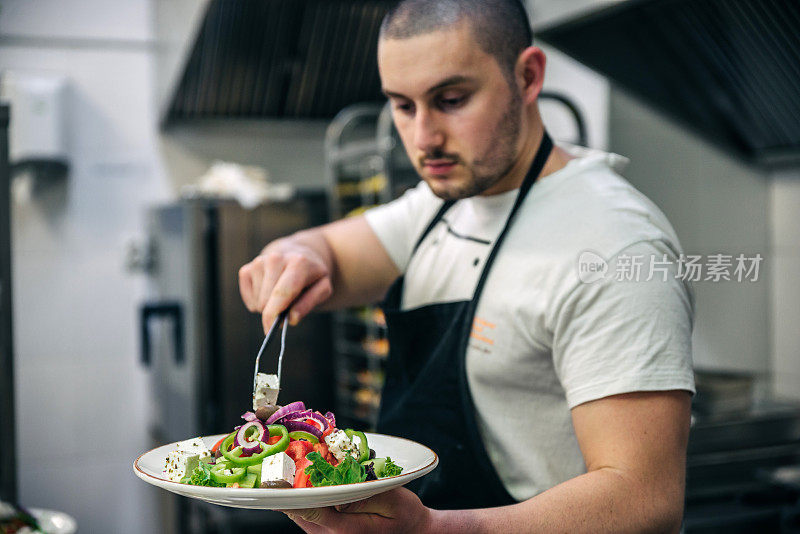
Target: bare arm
column 634, row 446
column 336, row 265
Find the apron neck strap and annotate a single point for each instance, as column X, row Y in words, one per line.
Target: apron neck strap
column 545, row 148
column 438, row 217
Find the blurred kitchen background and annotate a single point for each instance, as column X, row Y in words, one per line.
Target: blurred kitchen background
column 127, row 331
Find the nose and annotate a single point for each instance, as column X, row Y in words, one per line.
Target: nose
column 428, row 134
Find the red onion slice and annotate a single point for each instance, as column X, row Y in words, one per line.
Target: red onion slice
column 291, row 426
column 249, row 416
column 251, row 448
column 324, row 423
column 294, row 416
column 250, row 442
column 286, row 410
column 331, row 419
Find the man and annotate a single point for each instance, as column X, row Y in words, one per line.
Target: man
column 555, row 402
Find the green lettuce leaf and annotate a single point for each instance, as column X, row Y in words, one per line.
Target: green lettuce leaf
column 201, row 476
column 391, row 469
column 321, row 473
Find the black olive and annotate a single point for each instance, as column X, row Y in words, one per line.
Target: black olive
column 264, row 412
column 371, row 454
column 276, row 484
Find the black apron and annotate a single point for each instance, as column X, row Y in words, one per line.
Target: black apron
column 426, row 396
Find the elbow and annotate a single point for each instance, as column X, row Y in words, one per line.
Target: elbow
column 666, row 512
column 670, row 520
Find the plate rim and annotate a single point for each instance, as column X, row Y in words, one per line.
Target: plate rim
column 432, row 464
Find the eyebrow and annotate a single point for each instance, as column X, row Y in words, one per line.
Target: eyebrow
column 452, row 80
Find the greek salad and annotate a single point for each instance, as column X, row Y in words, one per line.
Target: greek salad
column 16, row 520
column 280, row 447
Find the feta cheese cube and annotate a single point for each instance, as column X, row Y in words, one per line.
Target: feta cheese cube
column 340, row 445
column 180, row 464
column 194, row 446
column 276, row 470
column 266, row 392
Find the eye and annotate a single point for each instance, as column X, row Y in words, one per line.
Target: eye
column 451, row 102
column 403, row 106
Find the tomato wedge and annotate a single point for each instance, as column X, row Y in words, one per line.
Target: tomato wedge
column 297, row 450
column 217, row 444
column 321, row 448
column 301, row 479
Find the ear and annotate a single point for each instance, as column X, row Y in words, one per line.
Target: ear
column 530, row 73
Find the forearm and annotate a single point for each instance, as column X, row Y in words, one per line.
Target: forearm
column 604, row 500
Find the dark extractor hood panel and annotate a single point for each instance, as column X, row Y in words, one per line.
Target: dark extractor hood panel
column 281, row 59
column 728, row 69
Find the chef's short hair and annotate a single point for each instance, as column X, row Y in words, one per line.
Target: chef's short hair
column 500, row 27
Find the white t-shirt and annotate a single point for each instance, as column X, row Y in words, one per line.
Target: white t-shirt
column 543, row 340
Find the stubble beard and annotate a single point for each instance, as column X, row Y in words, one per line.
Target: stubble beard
column 498, row 160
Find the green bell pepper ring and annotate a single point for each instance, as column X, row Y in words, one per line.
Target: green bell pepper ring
column 300, row 434
column 235, row 455
column 280, row 446
column 219, row 475
column 363, row 447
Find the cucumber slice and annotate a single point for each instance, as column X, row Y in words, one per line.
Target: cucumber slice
column 378, row 465
column 254, row 469
column 249, row 481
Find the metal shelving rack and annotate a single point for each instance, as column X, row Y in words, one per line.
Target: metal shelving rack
column 366, row 166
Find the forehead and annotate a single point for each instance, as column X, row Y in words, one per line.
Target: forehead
column 412, row 65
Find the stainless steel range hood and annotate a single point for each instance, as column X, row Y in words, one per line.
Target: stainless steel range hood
column 727, row 69
column 266, row 58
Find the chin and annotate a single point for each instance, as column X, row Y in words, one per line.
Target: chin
column 444, row 189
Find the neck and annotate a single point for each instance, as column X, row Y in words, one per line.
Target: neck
column 557, row 159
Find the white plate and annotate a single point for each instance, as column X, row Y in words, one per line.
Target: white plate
column 53, row 522
column 415, row 459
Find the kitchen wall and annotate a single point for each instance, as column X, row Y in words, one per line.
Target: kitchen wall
column 291, row 151
column 784, row 197
column 718, row 204
column 80, row 391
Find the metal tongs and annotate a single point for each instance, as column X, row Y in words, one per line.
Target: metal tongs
column 285, row 317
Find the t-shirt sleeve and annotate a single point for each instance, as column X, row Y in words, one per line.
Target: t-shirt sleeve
column 629, row 331
column 398, row 224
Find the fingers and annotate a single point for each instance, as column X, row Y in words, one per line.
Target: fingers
column 309, row 528
column 247, row 289
column 273, row 265
column 391, row 504
column 328, row 520
column 298, row 274
column 315, row 295
column 284, row 276
column 314, row 520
